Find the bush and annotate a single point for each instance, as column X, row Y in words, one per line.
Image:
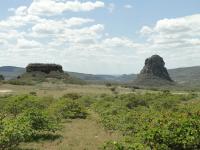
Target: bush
column 39, row 121
column 14, row 131
column 67, row 109
column 113, row 145
column 17, row 104
column 1, row 77
column 174, row 131
column 135, row 103
column 108, row 84
column 33, row 93
column 151, row 120
column 72, row 96
column 17, row 82
column 114, row 90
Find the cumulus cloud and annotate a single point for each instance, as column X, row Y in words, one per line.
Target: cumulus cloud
column 111, row 7
column 56, row 7
column 120, row 42
column 128, row 6
column 146, row 30
column 176, row 39
column 27, row 44
column 34, row 34
column 56, row 26
column 177, row 32
column 21, row 11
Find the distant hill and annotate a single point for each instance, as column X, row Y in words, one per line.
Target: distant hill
column 185, row 76
column 10, row 72
column 189, row 76
column 104, row 78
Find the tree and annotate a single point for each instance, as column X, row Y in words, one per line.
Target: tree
column 1, row 77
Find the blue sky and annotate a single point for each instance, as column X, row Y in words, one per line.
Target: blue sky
column 100, row 37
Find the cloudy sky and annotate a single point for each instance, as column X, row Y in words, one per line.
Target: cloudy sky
column 99, row 37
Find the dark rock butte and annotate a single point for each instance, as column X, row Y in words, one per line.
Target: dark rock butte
column 46, row 68
column 154, row 69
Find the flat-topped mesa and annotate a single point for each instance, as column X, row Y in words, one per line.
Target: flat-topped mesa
column 154, row 67
column 46, row 68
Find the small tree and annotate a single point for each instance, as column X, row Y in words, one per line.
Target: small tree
column 114, row 90
column 1, row 77
column 108, row 84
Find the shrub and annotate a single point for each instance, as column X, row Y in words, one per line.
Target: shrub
column 14, row 131
column 33, row 93
column 67, row 109
column 22, row 128
column 174, row 131
column 108, row 84
column 17, row 82
column 113, row 145
column 135, row 103
column 1, row 77
column 39, row 121
column 72, row 96
column 17, row 104
column 114, row 90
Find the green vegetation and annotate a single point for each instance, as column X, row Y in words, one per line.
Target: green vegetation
column 147, row 120
column 187, row 77
column 1, row 77
column 24, row 117
column 151, row 121
column 52, row 77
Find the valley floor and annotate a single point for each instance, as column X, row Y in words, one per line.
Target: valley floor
column 78, row 134
column 116, row 112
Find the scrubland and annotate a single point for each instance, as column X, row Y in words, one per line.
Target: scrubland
column 89, row 117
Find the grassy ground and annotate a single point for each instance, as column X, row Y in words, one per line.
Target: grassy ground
column 58, row 90
column 78, row 134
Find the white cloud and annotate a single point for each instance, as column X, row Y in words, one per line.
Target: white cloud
column 56, row 26
column 56, row 7
column 146, row 30
column 111, row 7
column 176, row 39
column 128, row 6
column 27, row 44
column 86, row 34
column 11, row 9
column 120, row 42
column 34, row 34
column 21, row 11
column 177, row 32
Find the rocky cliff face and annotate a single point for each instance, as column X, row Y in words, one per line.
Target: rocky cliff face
column 46, row 68
column 155, row 66
column 153, row 71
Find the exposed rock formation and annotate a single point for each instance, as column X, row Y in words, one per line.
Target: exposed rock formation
column 52, row 73
column 46, row 68
column 154, row 71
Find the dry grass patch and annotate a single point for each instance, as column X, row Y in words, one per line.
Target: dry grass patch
column 78, row 134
